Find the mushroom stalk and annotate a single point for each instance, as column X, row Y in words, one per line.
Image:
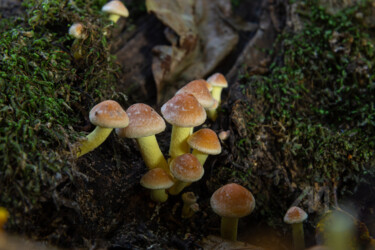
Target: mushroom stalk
column 179, row 145
column 159, row 195
column 212, row 114
column 151, row 153
column 298, row 236
column 114, row 18
column 228, row 228
column 202, row 157
column 94, row 139
column 178, row 187
column 216, row 93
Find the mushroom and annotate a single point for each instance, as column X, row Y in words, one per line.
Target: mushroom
column 218, row 82
column 157, row 180
column 115, row 9
column 184, row 112
column 106, row 116
column 204, row 142
column 185, row 169
column 144, row 124
column 295, row 216
column 76, row 31
column 212, row 111
column 190, row 204
column 4, row 215
column 199, row 89
column 231, row 202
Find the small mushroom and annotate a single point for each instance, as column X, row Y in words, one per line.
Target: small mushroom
column 77, row 31
column 144, row 124
column 157, row 180
column 190, row 204
column 295, row 216
column 184, row 112
column 115, row 9
column 185, row 169
column 204, row 142
column 106, row 116
column 218, row 82
column 231, row 202
column 199, row 89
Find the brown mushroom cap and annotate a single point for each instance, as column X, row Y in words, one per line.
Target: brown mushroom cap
column 184, row 110
column 143, row 121
column 156, row 178
column 206, row 141
column 116, row 7
column 198, row 88
column 109, row 114
column 218, row 80
column 295, row 215
column 232, row 201
column 186, row 168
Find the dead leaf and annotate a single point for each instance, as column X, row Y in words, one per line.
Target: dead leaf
column 204, row 39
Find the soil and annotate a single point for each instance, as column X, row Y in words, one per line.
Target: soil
column 104, row 206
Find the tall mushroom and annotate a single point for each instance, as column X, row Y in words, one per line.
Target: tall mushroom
column 184, row 112
column 144, row 124
column 157, row 180
column 204, row 142
column 295, row 216
column 218, row 82
column 231, row 202
column 185, row 169
column 106, row 116
column 115, row 9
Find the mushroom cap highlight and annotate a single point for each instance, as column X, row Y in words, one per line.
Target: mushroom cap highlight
column 184, row 110
column 218, row 80
column 157, row 178
column 295, row 215
column 76, row 31
column 186, row 168
column 108, row 114
column 232, row 201
column 116, row 7
column 199, row 89
column 206, row 141
column 143, row 121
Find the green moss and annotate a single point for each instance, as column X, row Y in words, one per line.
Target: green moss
column 41, row 86
column 314, row 112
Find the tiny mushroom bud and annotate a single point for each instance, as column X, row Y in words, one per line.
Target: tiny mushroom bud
column 224, row 135
column 157, row 180
column 184, row 112
column 295, row 216
column 218, row 82
column 189, row 207
column 231, row 202
column 204, row 142
column 77, row 31
column 106, row 116
column 115, row 9
column 185, row 169
column 144, row 123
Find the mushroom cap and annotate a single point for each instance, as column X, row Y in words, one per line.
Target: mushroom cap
column 143, row 121
column 157, row 178
column 295, row 215
column 232, row 201
column 116, row 7
column 76, row 31
column 206, row 141
column 186, row 168
column 218, row 80
column 184, row 110
column 198, row 88
column 109, row 114
column 189, row 198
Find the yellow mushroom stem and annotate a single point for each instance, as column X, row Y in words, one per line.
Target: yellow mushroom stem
column 212, row 114
column 178, row 187
column 114, row 18
column 202, row 157
column 228, row 228
column 298, row 236
column 94, row 139
column 4, row 214
column 151, row 153
column 216, row 93
column 158, row 195
column 179, row 145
